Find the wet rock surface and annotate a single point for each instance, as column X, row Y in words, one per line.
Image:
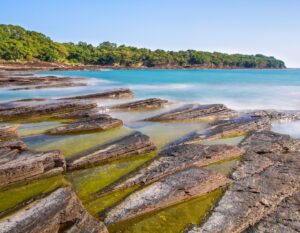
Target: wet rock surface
column 172, row 189
column 54, row 109
column 113, row 94
column 60, row 211
column 8, row 132
column 27, row 82
column 177, row 158
column 268, row 176
column 132, row 144
column 99, row 122
column 196, row 112
column 153, row 103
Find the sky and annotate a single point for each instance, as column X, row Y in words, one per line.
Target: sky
column 270, row 27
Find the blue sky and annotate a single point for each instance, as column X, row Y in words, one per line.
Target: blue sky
column 270, row 27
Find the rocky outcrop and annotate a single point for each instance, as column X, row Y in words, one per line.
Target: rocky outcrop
column 61, row 211
column 8, row 132
column 170, row 190
column 269, row 174
column 133, row 144
column 52, row 109
column 16, row 167
column 177, row 158
column 147, row 104
column 286, row 218
column 99, row 122
column 114, row 94
column 27, row 82
column 196, row 112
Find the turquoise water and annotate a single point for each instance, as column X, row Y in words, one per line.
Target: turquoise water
column 238, row 89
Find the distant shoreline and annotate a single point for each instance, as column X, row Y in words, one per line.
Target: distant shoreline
column 48, row 66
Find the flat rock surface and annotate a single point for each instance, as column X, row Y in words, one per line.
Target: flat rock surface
column 265, row 179
column 27, row 82
column 61, row 211
column 195, row 112
column 8, row 132
column 153, row 103
column 8, row 112
column 113, row 94
column 177, row 158
column 97, row 123
column 132, row 144
column 170, row 190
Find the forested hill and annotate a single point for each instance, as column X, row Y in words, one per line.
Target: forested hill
column 18, row 44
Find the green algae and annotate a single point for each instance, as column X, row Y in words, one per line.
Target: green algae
column 73, row 144
column 92, row 180
column 225, row 167
column 173, row 219
column 14, row 196
column 95, row 207
column 30, row 129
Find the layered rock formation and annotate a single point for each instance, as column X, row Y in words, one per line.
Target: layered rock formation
column 99, row 122
column 61, row 211
column 196, row 112
column 28, row 81
column 114, row 94
column 147, row 104
column 170, row 190
column 177, row 158
column 267, row 181
column 133, row 144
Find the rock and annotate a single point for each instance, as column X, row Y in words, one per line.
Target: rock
column 114, row 94
column 237, row 126
column 98, row 123
column 17, row 163
column 286, row 218
column 27, row 82
column 264, row 180
column 153, row 103
column 61, row 211
column 177, row 158
column 196, row 112
column 133, row 144
column 170, row 190
column 44, row 110
column 8, row 132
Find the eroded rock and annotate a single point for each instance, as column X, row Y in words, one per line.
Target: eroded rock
column 133, row 144
column 114, row 94
column 170, row 190
column 267, row 176
column 196, row 112
column 8, row 132
column 97, row 123
column 153, row 103
column 61, row 211
column 177, row 158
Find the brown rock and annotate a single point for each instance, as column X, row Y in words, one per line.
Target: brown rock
column 60, row 211
column 153, row 103
column 170, row 190
column 133, row 144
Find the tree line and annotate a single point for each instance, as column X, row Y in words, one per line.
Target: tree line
column 18, row 44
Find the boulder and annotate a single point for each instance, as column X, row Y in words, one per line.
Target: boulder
column 177, row 158
column 132, row 144
column 195, row 112
column 170, row 190
column 61, row 211
column 99, row 122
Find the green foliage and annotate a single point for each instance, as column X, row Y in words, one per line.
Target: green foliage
column 16, row 43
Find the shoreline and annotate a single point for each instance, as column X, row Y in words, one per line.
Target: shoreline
column 48, row 66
